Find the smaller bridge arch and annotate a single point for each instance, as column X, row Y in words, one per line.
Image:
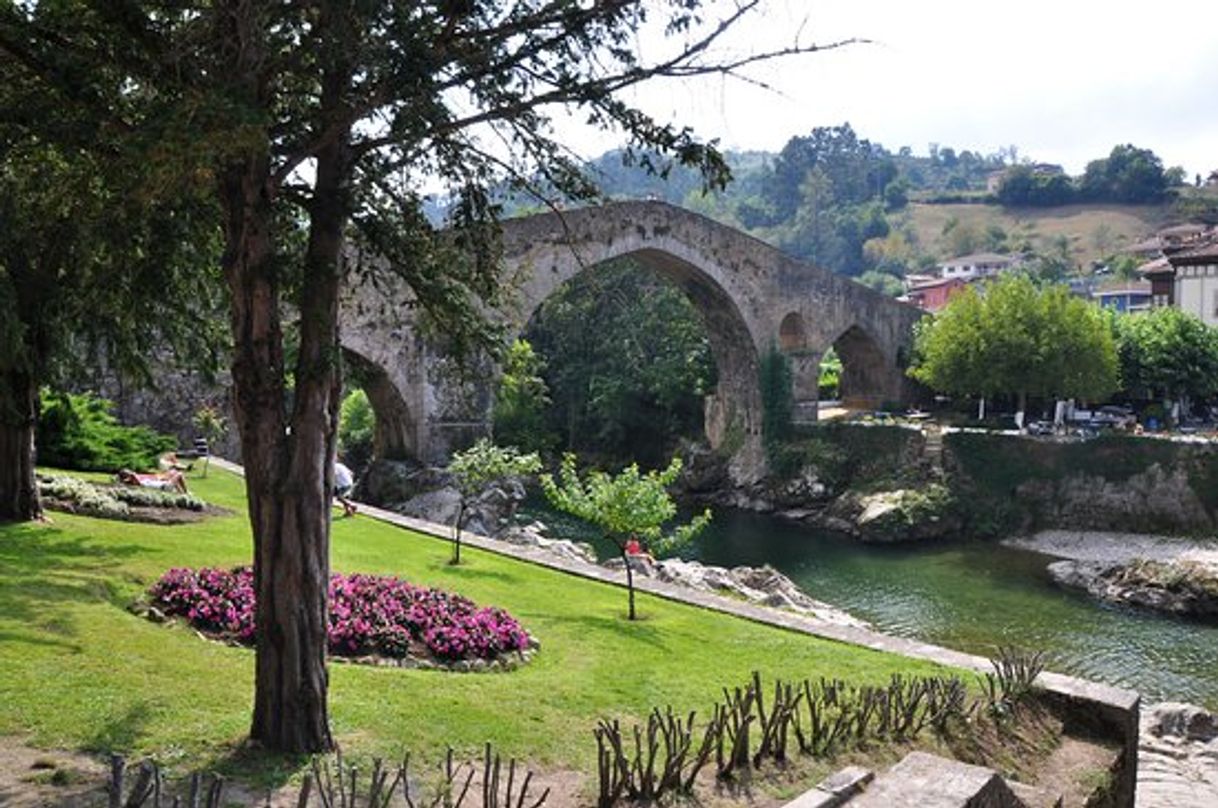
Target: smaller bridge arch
column 792, row 333
column 865, row 370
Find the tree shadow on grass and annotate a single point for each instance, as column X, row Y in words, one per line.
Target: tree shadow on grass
column 619, row 626
column 120, row 734
column 30, row 638
column 470, row 570
column 41, row 569
column 254, row 769
column 30, row 549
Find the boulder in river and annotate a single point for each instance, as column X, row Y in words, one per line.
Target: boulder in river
column 1185, row 588
column 906, row 515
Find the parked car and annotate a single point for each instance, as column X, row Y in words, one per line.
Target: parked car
column 1113, row 416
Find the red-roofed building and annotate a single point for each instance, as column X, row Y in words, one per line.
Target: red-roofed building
column 934, row 295
column 1162, row 278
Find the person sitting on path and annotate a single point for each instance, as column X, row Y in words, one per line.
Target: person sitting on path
column 636, row 550
column 344, row 481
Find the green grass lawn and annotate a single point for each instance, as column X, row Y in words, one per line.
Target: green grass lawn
column 78, row 671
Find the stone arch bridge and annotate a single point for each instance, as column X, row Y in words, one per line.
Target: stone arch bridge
column 750, row 296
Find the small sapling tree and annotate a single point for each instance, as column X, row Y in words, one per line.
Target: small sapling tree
column 478, row 466
column 625, row 505
column 212, row 426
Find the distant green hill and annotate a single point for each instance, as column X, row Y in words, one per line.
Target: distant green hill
column 852, row 206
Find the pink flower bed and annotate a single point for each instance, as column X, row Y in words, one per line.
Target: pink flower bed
column 369, row 614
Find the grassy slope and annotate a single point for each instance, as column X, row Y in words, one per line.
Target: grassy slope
column 1128, row 224
column 78, row 671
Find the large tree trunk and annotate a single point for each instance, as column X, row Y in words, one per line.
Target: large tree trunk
column 284, row 487
column 289, row 461
column 18, row 417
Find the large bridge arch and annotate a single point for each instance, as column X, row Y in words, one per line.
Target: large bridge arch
column 752, row 298
column 733, row 412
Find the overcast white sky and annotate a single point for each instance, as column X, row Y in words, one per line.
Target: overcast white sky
column 1063, row 81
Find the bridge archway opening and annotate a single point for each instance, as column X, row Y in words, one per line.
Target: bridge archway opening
column 395, row 432
column 860, row 368
column 792, row 333
column 720, row 360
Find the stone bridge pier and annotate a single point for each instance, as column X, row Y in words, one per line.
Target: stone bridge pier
column 750, row 296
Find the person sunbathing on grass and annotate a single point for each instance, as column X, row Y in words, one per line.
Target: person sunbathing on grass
column 173, row 481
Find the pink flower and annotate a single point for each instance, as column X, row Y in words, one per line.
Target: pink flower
column 368, row 614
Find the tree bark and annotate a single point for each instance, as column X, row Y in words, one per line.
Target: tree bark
column 283, row 491
column 18, row 418
column 456, row 559
column 291, row 565
column 289, row 459
column 629, row 583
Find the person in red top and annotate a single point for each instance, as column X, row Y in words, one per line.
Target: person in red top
column 634, row 548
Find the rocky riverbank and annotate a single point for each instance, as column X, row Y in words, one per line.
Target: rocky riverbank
column 763, row 585
column 874, row 483
column 888, row 483
column 1184, row 588
column 426, row 492
column 1168, row 575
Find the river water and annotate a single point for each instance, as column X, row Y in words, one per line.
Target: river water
column 968, row 595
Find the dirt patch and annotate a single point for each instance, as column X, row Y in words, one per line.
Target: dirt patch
column 1077, row 770
column 33, row 778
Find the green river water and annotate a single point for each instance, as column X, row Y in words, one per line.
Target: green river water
column 968, row 595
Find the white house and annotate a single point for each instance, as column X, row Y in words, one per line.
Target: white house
column 977, row 265
column 1196, row 281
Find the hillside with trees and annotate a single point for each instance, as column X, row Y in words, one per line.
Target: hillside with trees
column 859, row 208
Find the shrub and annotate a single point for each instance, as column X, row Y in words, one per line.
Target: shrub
column 80, row 432
column 369, row 614
column 111, row 502
column 85, row 498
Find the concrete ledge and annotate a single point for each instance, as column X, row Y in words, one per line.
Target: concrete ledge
column 1111, row 711
column 836, row 789
column 922, row 780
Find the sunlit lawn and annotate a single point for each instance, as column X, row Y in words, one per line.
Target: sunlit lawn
column 78, row 671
